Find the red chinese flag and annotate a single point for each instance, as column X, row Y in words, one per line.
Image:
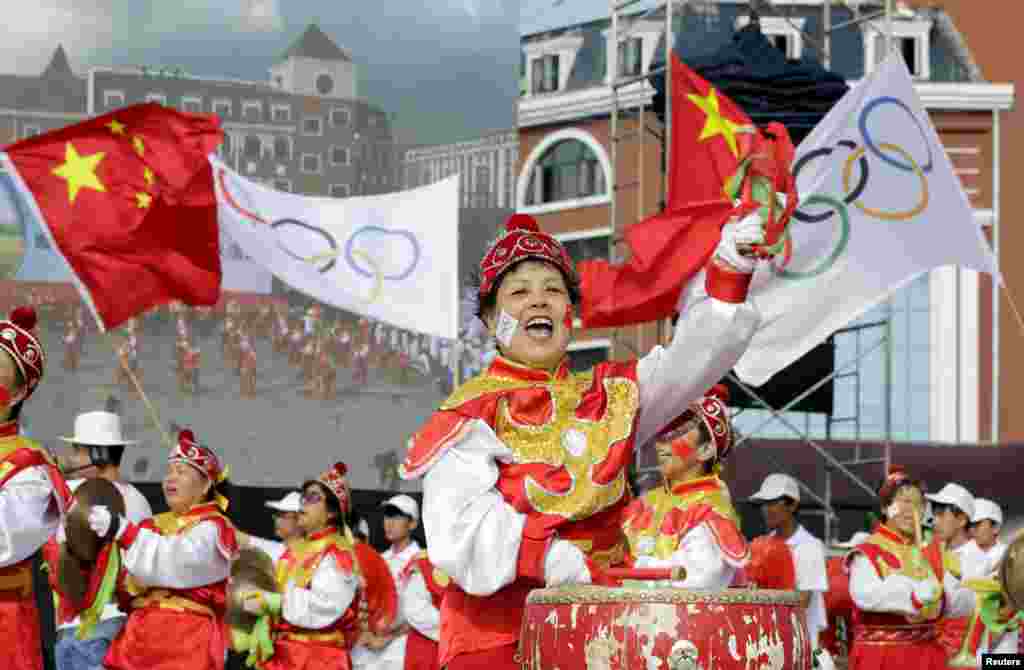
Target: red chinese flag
column 709, row 134
column 128, row 200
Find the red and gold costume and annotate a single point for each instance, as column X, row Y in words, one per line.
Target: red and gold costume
column 518, row 455
column 33, row 498
column 892, row 628
column 173, row 585
column 423, row 588
column 379, row 606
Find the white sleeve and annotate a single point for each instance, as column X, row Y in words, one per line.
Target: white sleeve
column 184, row 561
column 473, row 535
column 418, row 608
column 269, row 547
column 871, row 593
column 698, row 552
column 959, row 598
column 709, row 338
column 29, row 514
column 329, row 596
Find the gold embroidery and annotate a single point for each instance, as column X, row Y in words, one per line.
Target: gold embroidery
column 911, row 564
column 305, row 557
column 440, row 578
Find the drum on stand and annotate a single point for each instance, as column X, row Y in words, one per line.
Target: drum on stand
column 600, row 628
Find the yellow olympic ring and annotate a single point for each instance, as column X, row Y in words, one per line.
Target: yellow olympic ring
column 378, row 288
column 877, row 213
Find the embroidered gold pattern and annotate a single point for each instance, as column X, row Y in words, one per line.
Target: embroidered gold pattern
column 306, row 557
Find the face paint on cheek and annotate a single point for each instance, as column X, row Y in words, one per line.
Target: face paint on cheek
column 892, row 510
column 507, row 327
column 682, row 448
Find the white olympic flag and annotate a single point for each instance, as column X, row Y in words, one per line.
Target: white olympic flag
column 392, row 257
column 879, row 205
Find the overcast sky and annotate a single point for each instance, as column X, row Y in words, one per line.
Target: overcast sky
column 449, row 72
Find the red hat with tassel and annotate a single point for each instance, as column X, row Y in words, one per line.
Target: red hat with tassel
column 522, row 239
column 18, row 339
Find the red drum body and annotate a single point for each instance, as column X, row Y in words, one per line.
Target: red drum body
column 597, row 628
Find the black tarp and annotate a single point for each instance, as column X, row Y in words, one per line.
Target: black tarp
column 759, row 78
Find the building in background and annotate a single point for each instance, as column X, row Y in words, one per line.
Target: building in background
column 934, row 383
column 487, row 166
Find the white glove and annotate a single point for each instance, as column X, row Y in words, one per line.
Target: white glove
column 746, row 231
column 565, row 564
column 926, row 591
column 100, row 520
column 823, row 660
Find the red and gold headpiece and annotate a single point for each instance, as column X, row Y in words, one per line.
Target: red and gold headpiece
column 18, row 338
column 895, row 478
column 335, row 479
column 188, row 450
column 713, row 411
column 521, row 240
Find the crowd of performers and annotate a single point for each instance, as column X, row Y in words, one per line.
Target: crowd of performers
column 315, row 346
column 524, row 470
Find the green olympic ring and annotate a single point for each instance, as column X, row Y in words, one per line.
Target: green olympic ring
column 840, row 247
column 881, row 215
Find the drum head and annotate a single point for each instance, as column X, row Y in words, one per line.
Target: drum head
column 72, row 575
column 252, row 570
column 1011, row 572
column 81, row 540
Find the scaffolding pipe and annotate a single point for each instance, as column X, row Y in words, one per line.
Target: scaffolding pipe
column 996, row 294
column 613, row 182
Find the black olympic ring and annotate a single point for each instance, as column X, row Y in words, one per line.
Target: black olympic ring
column 862, row 183
column 333, row 243
column 873, row 148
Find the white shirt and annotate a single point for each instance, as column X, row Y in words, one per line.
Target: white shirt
column 811, row 576
column 391, row 657
column 973, row 561
column 28, row 514
column 137, row 510
column 994, row 554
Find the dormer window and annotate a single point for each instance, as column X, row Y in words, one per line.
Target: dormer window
column 631, row 55
column 785, row 33
column 910, row 38
column 545, row 74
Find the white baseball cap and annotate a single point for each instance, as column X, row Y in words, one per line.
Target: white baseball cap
column 290, row 503
column 363, row 527
column 956, row 496
column 987, row 509
column 777, row 486
column 405, row 504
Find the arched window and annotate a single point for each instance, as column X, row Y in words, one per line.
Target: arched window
column 568, row 170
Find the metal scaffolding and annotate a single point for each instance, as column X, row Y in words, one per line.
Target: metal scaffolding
column 622, row 20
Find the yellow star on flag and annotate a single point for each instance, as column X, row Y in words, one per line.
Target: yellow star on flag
column 147, row 174
column 79, row 171
column 139, row 147
column 116, row 127
column 716, row 124
column 143, row 200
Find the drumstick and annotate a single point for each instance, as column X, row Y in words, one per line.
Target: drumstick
column 676, row 574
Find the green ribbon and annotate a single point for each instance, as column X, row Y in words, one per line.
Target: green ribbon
column 762, row 191
column 257, row 644
column 988, row 609
column 105, row 594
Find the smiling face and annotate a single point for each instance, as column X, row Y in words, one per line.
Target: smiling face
column 985, row 533
column 900, row 515
column 535, row 294
column 184, row 487
column 949, row 522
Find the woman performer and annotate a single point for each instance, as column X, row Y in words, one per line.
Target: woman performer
column 175, row 569
column 900, row 588
column 525, row 466
column 690, row 522
column 316, row 613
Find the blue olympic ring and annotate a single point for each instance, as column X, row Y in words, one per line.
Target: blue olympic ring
column 333, row 243
column 397, row 277
column 869, row 143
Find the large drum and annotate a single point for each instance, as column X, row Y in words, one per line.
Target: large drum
column 597, row 628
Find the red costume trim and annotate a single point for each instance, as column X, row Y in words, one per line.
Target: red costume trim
column 727, row 285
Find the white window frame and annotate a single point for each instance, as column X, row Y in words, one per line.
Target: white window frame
column 348, row 114
column 648, row 31
column 566, row 47
column 291, row 147
column 107, row 95
column 320, row 119
column 220, row 102
column 277, row 182
column 252, row 104
column 523, row 182
column 917, row 29
column 30, row 130
column 347, row 187
column 160, row 98
column 348, row 155
column 320, row 164
column 771, row 26
column 274, row 109
column 193, row 99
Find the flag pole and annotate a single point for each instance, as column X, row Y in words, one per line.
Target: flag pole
column 138, row 387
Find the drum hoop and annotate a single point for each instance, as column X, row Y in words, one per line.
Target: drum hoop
column 600, row 595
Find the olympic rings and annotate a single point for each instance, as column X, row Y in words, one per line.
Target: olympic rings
column 849, row 198
column 862, row 124
column 350, row 252
column 378, row 286
column 333, row 243
column 890, row 216
column 840, row 247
